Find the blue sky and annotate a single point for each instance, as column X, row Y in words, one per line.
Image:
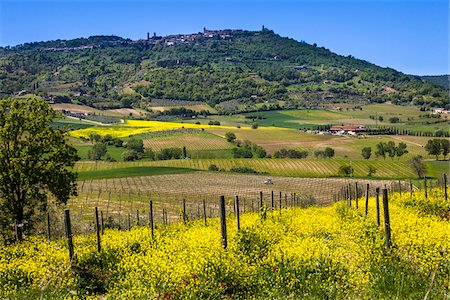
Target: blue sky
column 409, row 36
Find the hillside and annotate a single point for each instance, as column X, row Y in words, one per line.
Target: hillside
column 440, row 80
column 230, row 70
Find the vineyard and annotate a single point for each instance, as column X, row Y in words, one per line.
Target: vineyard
column 120, row 197
column 275, row 167
column 193, row 141
column 336, row 252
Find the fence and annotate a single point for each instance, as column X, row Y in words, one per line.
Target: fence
column 160, row 214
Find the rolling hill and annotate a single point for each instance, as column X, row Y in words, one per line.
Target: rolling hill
column 230, row 70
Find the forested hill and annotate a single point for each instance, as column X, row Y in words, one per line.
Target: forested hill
column 439, row 80
column 231, row 70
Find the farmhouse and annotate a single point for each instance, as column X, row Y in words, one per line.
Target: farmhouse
column 348, row 129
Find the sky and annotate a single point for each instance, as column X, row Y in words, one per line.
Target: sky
column 411, row 36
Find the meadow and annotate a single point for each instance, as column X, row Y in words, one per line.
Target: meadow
column 335, row 252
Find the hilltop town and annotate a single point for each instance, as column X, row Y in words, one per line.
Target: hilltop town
column 169, row 40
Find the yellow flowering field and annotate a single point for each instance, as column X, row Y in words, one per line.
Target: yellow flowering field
column 134, row 127
column 331, row 252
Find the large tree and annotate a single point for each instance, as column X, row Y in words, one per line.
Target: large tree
column 35, row 161
column 433, row 147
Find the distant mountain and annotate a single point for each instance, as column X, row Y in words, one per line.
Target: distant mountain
column 231, row 70
column 440, row 80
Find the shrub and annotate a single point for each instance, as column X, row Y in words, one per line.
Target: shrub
column 213, row 167
column 131, row 155
column 245, row 170
column 230, row 136
column 345, row 171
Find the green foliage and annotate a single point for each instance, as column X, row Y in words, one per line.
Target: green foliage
column 131, row 155
column 35, row 161
column 169, row 153
column 245, row 170
column 418, row 166
column 213, row 168
column 437, row 147
column 345, row 171
column 230, row 137
column 366, row 152
column 290, row 153
column 98, row 151
column 372, row 170
column 394, row 120
column 242, row 70
column 94, row 272
column 328, row 152
column 136, row 145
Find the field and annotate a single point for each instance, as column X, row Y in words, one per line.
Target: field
column 277, row 167
column 333, row 252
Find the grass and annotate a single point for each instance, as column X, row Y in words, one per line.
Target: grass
column 131, row 172
column 386, row 169
column 115, row 152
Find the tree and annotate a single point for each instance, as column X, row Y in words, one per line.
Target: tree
column 390, row 149
column 35, row 161
column 366, row 152
column 345, row 171
column 445, row 146
column 372, row 170
column 328, row 152
column 98, row 151
column 131, row 155
column 433, row 147
column 401, row 149
column 381, row 150
column 230, row 136
column 136, row 145
column 418, row 166
column 394, row 120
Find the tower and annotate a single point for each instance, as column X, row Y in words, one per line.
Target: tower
column 148, row 35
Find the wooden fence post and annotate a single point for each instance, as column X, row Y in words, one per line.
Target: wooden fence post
column 102, row 222
column 97, row 230
column 204, row 211
column 261, row 200
column 425, row 186
column 445, row 186
column 387, row 222
column 377, row 202
column 285, row 200
column 184, row 212
column 137, row 217
column 400, row 187
column 356, row 195
column 223, row 223
column 150, row 217
column 366, row 209
column 68, row 228
column 410, row 188
column 238, row 221
column 272, row 201
column 129, row 221
column 49, row 237
column 280, row 200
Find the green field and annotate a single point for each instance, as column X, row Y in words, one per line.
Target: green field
column 285, row 167
column 131, row 172
column 411, row 118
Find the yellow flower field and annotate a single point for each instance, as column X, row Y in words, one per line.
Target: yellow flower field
column 314, row 253
column 134, row 127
